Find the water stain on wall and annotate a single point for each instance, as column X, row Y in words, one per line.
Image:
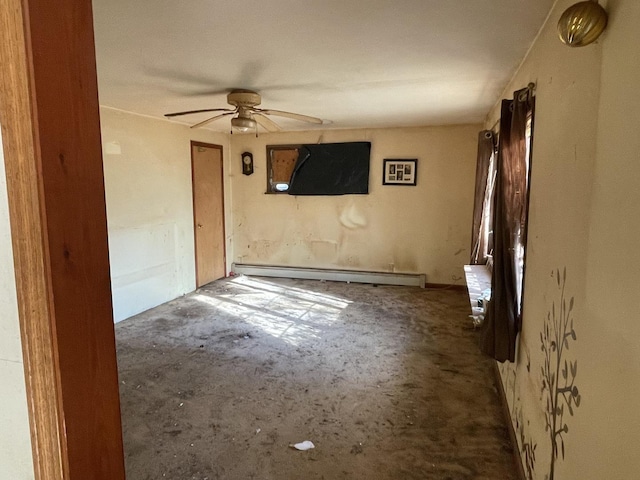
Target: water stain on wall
column 405, row 262
column 352, row 218
column 324, row 250
column 260, row 249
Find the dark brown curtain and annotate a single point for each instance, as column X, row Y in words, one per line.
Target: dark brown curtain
column 486, row 147
column 502, row 320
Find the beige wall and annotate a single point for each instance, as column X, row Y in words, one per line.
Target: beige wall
column 15, row 443
column 585, row 216
column 421, row 229
column 147, row 166
column 613, row 260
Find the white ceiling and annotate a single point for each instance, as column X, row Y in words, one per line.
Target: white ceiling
column 358, row 63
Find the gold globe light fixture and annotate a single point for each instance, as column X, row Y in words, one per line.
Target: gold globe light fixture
column 582, row 23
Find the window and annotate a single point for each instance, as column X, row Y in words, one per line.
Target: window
column 281, row 160
column 521, row 234
column 487, row 222
column 319, row 168
column 510, row 207
column 486, row 236
column 482, row 227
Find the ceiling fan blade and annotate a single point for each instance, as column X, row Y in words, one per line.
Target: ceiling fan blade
column 266, row 122
column 189, row 112
column 204, row 92
column 295, row 116
column 209, row 120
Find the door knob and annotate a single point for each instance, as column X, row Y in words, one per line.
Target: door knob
column 199, row 225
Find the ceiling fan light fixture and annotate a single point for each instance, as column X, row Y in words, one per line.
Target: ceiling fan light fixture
column 247, row 115
column 582, row 23
column 243, row 124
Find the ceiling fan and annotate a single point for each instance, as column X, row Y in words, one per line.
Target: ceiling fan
column 247, row 116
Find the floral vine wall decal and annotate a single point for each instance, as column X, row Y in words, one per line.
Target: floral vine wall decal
column 558, row 373
column 527, row 446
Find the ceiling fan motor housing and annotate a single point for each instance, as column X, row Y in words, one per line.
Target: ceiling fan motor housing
column 244, row 98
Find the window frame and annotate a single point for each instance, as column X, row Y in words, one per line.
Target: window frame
column 271, row 185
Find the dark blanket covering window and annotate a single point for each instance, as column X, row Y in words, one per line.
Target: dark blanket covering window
column 331, row 169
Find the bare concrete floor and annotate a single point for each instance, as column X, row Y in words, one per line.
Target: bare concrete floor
column 387, row 382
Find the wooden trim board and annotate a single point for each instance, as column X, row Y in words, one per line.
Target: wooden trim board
column 23, row 187
column 517, row 459
column 52, row 149
column 446, row 286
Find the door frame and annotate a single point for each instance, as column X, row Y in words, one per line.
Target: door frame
column 53, row 155
column 195, row 143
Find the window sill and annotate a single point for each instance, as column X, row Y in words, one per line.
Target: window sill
column 478, row 279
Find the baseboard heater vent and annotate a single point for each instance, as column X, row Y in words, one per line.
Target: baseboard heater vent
column 382, row 278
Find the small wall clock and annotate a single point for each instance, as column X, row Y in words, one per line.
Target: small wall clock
column 247, row 163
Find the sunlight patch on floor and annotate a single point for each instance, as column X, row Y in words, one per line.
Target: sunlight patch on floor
column 293, row 315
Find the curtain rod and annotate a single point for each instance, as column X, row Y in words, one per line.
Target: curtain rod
column 531, row 90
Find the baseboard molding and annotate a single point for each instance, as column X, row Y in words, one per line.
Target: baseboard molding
column 446, row 286
column 517, row 460
column 355, row 276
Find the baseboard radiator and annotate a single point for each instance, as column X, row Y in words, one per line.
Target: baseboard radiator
column 355, row 276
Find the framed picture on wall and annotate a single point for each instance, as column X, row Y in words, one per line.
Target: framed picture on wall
column 400, row 171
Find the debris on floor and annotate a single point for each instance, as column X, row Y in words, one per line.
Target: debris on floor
column 388, row 382
column 306, row 445
column 356, row 449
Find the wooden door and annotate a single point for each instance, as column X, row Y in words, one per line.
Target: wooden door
column 208, row 212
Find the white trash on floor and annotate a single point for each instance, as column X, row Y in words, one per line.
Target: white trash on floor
column 306, row 445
